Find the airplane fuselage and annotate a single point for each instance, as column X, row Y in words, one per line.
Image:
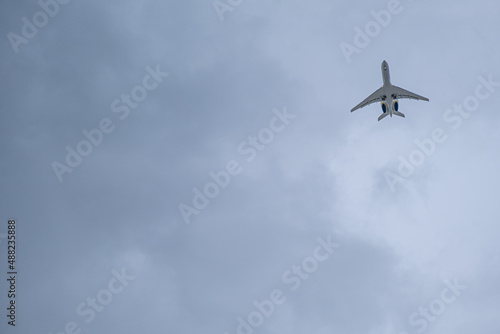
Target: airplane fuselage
column 389, row 104
column 385, row 74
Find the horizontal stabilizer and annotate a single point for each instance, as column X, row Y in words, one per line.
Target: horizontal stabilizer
column 397, row 113
column 383, row 115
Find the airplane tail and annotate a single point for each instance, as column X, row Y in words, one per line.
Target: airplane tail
column 383, row 115
column 398, row 113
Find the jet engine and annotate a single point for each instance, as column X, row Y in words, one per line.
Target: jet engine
column 396, row 105
column 384, row 107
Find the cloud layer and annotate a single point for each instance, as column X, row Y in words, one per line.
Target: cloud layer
column 413, row 256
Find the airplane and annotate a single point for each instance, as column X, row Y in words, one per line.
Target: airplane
column 388, row 95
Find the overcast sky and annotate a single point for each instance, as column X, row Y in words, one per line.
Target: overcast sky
column 194, row 167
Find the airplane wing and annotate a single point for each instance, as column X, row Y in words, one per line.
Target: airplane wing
column 375, row 97
column 405, row 94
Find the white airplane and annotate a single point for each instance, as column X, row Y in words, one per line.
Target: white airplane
column 389, row 94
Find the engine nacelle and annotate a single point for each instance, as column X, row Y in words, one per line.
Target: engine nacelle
column 384, row 107
column 396, row 105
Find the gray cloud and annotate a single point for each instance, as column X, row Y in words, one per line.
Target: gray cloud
column 324, row 174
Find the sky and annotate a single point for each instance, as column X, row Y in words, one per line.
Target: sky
column 193, row 166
